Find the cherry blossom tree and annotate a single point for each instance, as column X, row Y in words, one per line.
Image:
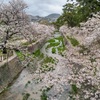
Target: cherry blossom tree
column 13, row 20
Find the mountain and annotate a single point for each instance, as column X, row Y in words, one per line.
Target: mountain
column 50, row 18
column 35, row 18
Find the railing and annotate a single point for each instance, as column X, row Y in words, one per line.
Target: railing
column 5, row 56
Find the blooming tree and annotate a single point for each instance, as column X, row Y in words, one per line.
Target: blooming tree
column 13, row 20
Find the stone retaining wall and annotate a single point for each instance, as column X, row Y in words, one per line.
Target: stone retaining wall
column 8, row 71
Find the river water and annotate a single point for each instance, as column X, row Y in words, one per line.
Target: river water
column 28, row 84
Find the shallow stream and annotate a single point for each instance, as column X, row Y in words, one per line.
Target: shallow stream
column 28, row 84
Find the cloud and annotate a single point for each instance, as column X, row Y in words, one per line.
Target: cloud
column 43, row 7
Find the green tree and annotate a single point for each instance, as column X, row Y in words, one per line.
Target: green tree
column 88, row 7
column 70, row 14
column 74, row 13
column 60, row 21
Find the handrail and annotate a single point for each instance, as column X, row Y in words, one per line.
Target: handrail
column 5, row 56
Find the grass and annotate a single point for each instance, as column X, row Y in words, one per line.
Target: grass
column 20, row 55
column 73, row 41
column 60, row 38
column 48, row 60
column 46, row 68
column 74, row 89
column 53, row 50
column 45, row 64
column 27, row 83
column 26, row 96
column 43, row 96
column 92, row 59
column 61, row 48
column 38, row 53
column 54, row 44
column 51, row 40
column 84, row 49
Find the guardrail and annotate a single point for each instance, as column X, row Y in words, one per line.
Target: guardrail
column 9, row 69
column 5, row 56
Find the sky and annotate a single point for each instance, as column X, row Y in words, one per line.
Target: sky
column 43, row 7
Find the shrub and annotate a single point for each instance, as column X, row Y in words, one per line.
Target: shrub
column 75, row 13
column 20, row 55
column 73, row 41
column 26, row 96
column 53, row 50
column 48, row 60
column 43, row 96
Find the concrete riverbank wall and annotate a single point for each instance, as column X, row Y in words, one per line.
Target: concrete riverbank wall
column 9, row 69
column 37, row 45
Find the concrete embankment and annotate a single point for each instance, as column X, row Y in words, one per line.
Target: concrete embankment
column 9, row 69
column 37, row 45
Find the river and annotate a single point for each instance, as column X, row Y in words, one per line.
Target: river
column 28, row 85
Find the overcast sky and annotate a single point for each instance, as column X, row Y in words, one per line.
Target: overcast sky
column 44, row 7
